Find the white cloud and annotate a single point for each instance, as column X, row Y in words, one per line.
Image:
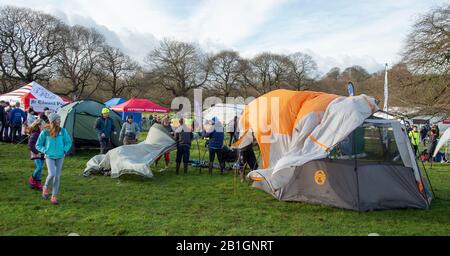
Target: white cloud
column 336, row 33
column 228, row 22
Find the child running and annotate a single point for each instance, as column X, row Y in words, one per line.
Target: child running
column 36, row 156
column 55, row 143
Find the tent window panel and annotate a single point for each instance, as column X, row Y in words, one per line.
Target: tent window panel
column 369, row 144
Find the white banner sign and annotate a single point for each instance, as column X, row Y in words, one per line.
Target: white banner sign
column 39, row 105
column 44, row 98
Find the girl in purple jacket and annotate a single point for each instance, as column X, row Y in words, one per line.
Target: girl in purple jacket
column 36, row 156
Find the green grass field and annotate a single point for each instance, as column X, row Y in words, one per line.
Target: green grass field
column 198, row 204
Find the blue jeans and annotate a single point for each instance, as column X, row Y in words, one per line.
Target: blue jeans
column 54, row 167
column 38, row 171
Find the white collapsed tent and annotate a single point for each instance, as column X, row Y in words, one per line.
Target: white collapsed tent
column 133, row 159
column 442, row 141
column 224, row 112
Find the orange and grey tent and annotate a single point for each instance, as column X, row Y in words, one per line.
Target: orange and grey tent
column 324, row 148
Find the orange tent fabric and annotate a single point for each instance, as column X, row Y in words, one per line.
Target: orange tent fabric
column 277, row 113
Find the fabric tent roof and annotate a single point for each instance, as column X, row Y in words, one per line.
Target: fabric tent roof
column 36, row 96
column 114, row 102
column 140, row 105
column 444, row 138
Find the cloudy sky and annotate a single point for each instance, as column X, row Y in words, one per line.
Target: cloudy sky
column 335, row 32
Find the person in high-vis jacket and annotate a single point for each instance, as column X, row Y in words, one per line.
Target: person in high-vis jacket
column 414, row 136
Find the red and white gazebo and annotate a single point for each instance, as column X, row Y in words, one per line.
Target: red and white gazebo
column 140, row 106
column 36, row 96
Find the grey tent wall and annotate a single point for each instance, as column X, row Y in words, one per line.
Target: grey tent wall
column 381, row 186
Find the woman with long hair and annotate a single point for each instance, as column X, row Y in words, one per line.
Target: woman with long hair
column 55, row 142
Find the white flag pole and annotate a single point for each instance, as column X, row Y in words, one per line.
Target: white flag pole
column 386, row 92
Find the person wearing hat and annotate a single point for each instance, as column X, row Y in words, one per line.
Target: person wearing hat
column 216, row 135
column 105, row 129
column 129, row 133
column 54, row 142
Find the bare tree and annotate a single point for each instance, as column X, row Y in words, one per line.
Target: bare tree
column 267, row 71
column 30, row 42
column 226, row 70
column 120, row 71
column 355, row 73
column 333, row 74
column 178, row 67
column 427, row 55
column 303, row 69
column 427, row 48
column 80, row 59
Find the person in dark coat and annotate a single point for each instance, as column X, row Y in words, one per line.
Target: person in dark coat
column 232, row 130
column 436, row 128
column 105, row 129
column 215, row 145
column 246, row 158
column 43, row 116
column 183, row 137
column 6, row 126
column 423, row 134
column 433, row 140
column 17, row 118
column 2, row 119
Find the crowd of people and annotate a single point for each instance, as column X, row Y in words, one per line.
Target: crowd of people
column 15, row 123
column 49, row 142
column 427, row 136
column 183, row 135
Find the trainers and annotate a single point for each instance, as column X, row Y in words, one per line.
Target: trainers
column 54, row 200
column 39, row 185
column 45, row 193
column 32, row 182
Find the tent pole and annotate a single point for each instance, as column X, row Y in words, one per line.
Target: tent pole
column 428, row 179
column 200, row 156
column 423, row 165
column 356, row 171
column 73, row 130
